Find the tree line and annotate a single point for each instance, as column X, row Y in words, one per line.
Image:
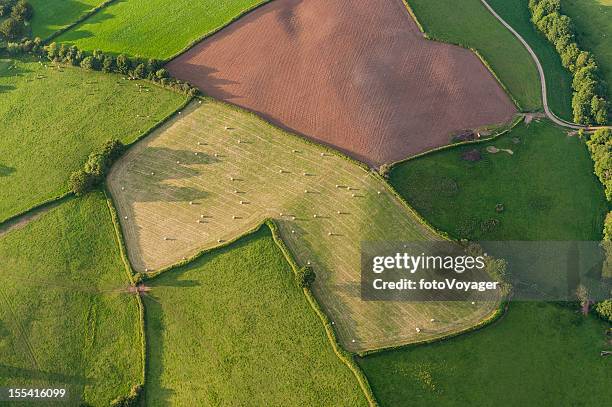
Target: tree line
column 588, row 102
column 133, row 68
column 15, row 15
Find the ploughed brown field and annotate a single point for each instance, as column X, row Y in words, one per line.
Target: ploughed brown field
column 354, row 74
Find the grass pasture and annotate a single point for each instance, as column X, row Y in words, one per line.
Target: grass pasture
column 233, row 328
column 193, row 184
column 64, row 318
column 547, row 188
column 558, row 79
column 538, row 355
column 153, row 28
column 593, row 23
column 468, row 23
column 52, row 15
column 52, row 118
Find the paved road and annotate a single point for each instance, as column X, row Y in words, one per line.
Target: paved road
column 547, row 110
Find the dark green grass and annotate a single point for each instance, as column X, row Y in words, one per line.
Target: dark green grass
column 547, row 188
column 233, row 329
column 52, row 15
column 64, row 319
column 468, row 23
column 50, row 120
column 559, row 80
column 593, row 23
column 537, row 355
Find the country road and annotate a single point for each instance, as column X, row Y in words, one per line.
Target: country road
column 547, row 110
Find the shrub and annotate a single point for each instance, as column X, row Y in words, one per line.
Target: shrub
column 11, row 28
column 81, row 182
column 22, row 11
column 305, row 277
column 604, row 309
column 383, row 170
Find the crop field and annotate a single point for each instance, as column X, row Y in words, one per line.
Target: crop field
column 65, row 320
column 193, row 184
column 233, row 328
column 538, row 355
column 468, row 23
column 53, row 117
column 154, row 28
column 357, row 75
column 554, row 172
column 52, row 15
column 593, row 22
column 516, row 13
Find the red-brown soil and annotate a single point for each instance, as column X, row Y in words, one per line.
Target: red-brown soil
column 354, row 74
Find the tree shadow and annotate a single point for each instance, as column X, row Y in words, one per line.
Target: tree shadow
column 5, row 170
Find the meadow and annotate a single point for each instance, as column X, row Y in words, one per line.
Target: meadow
column 233, row 328
column 559, row 80
column 65, row 319
column 538, row 354
column 154, row 28
column 593, row 24
column 469, row 24
column 52, row 15
column 214, row 172
column 547, row 188
column 53, row 117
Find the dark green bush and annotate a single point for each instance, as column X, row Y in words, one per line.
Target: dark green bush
column 22, row 11
column 95, row 169
column 11, row 28
column 305, row 277
column 82, row 182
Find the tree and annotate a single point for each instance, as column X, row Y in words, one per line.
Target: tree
column 108, row 64
column 11, row 29
column 88, row 63
column 162, row 73
column 604, row 309
column 81, row 182
column 305, row 277
column 123, row 64
column 140, row 71
column 22, row 11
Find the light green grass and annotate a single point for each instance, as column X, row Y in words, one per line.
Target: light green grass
column 547, row 188
column 468, row 23
column 51, row 119
column 64, row 320
column 154, row 183
column 154, row 28
column 593, row 24
column 233, row 329
column 559, row 80
column 52, row 15
column 537, row 355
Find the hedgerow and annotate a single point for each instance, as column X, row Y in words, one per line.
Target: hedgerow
column 95, row 169
column 600, row 147
column 588, row 103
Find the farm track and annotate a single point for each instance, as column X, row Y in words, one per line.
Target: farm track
column 279, row 176
column 326, row 70
column 549, row 113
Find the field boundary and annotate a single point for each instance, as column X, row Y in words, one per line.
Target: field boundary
column 204, row 36
column 78, row 21
column 38, row 206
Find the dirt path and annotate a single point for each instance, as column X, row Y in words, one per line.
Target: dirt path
column 21, row 221
column 547, row 110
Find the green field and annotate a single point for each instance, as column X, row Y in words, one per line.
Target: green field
column 154, row 28
column 537, row 355
column 52, row 15
column 559, row 80
column 593, row 23
column 52, row 118
column 233, row 328
column 547, row 188
column 193, row 184
column 64, row 318
column 468, row 23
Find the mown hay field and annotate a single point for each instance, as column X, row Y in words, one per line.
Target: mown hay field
column 547, row 188
column 233, row 328
column 193, row 184
column 468, row 23
column 558, row 79
column 52, row 15
column 65, row 318
column 53, row 117
column 153, row 28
